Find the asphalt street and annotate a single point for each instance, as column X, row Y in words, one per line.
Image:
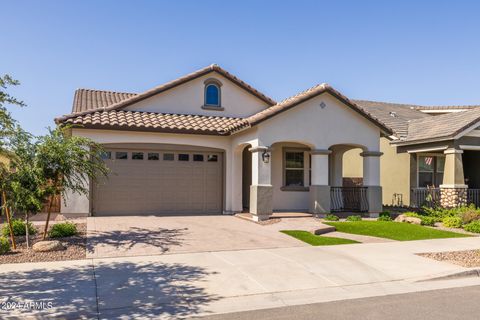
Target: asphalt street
column 458, row 303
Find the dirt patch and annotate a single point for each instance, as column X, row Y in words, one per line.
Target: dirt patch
column 467, row 258
column 75, row 249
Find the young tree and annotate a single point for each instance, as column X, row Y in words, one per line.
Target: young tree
column 5, row 187
column 27, row 181
column 68, row 164
column 7, row 129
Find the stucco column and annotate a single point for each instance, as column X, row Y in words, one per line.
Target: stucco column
column 319, row 187
column 261, row 190
column 371, row 180
column 453, row 191
column 336, row 169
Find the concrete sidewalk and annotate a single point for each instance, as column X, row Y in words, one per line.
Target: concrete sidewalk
column 183, row 285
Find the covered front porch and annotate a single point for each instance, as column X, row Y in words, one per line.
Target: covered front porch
column 449, row 177
column 293, row 176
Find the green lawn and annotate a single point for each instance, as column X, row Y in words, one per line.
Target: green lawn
column 314, row 240
column 393, row 230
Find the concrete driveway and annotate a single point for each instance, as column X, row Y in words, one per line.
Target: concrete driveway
column 150, row 235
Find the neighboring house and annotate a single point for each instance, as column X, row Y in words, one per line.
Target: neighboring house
column 210, row 143
column 433, row 155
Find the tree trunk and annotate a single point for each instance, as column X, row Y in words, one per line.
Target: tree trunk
column 9, row 220
column 48, row 216
column 26, row 230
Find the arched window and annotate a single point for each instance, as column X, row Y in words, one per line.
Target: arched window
column 212, row 93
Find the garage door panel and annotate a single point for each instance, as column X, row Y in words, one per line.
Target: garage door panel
column 161, row 186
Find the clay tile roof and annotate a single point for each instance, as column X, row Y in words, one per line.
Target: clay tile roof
column 96, row 100
column 164, row 122
column 88, row 99
column 311, row 93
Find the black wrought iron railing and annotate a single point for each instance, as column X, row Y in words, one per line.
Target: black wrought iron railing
column 348, row 199
column 425, row 197
column 473, row 197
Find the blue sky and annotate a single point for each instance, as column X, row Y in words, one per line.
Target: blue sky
column 405, row 51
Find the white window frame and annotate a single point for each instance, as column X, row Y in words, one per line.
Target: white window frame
column 306, row 169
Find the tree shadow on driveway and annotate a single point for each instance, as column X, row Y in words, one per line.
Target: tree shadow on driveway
column 110, row 290
column 153, row 241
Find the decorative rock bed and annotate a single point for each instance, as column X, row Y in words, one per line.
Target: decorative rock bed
column 74, row 248
column 466, row 258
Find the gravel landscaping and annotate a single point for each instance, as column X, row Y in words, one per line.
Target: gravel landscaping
column 75, row 249
column 467, row 258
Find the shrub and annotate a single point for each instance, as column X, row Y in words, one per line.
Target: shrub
column 4, row 245
column 452, row 222
column 473, row 226
column 331, row 217
column 384, row 218
column 354, row 218
column 426, row 220
column 384, row 214
column 440, row 213
column 18, row 228
column 469, row 216
column 64, row 229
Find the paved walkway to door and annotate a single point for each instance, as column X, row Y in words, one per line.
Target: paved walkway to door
column 119, row 236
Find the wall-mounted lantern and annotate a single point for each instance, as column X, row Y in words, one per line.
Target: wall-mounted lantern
column 266, row 156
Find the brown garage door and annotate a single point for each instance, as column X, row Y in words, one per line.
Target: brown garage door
column 160, row 182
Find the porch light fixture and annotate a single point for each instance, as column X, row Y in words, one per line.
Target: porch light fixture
column 266, row 156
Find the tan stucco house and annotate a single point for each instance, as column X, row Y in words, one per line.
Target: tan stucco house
column 210, row 143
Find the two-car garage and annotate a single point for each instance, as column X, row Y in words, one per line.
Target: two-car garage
column 160, row 180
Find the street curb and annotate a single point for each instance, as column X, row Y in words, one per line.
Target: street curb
column 457, row 275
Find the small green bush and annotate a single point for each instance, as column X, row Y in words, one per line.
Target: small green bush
column 426, row 220
column 469, row 216
column 384, row 214
column 4, row 245
column 473, row 226
column 64, row 229
column 354, row 218
column 452, row 222
column 18, row 228
column 331, row 217
column 384, row 218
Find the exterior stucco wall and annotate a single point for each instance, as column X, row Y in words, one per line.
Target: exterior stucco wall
column 188, row 98
column 81, row 204
column 288, row 200
column 394, row 173
column 320, row 127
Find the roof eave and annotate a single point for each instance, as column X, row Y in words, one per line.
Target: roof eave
column 327, row 89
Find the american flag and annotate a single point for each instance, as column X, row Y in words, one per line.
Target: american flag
column 428, row 160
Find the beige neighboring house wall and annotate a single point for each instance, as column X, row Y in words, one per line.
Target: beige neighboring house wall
column 394, row 173
column 353, row 164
